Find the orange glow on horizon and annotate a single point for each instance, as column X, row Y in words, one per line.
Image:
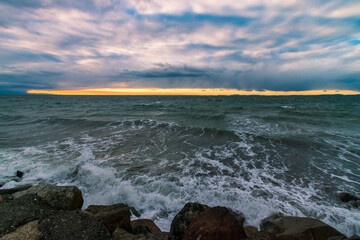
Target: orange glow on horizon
column 187, row 91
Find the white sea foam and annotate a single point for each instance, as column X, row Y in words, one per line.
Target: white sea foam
column 246, row 176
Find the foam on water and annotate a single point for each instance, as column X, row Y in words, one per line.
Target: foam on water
column 215, row 175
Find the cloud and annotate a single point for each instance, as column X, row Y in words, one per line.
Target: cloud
column 275, row 45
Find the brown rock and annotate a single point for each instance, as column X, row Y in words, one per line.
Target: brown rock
column 183, row 219
column 298, row 228
column 218, row 223
column 121, row 234
column 147, row 223
column 112, row 216
column 59, row 197
column 252, row 233
column 1, row 199
column 28, row 231
column 250, row 230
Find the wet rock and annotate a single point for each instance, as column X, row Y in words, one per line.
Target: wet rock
column 347, row 197
column 20, row 211
column 218, row 223
column 183, row 219
column 141, row 230
column 112, row 216
column 354, row 237
column 19, row 174
column 148, row 223
column 28, row 231
column 72, row 226
column 252, row 233
column 59, row 197
column 299, row 228
column 121, row 234
column 250, row 230
column 14, row 190
column 134, row 212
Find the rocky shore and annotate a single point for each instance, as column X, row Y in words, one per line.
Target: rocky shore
column 54, row 212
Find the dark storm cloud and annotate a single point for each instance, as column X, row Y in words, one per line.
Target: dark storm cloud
column 169, row 71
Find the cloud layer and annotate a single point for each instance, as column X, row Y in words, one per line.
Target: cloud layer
column 274, row 45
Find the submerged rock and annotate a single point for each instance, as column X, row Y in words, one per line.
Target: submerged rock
column 15, row 213
column 72, row 226
column 183, row 219
column 347, row 197
column 59, row 197
column 28, row 231
column 148, row 223
column 19, row 174
column 112, row 216
column 218, row 223
column 299, row 228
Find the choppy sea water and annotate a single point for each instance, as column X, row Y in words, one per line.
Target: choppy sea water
column 256, row 155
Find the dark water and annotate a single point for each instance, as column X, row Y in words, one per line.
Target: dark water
column 256, row 155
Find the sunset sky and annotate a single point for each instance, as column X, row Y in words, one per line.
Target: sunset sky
column 47, row 46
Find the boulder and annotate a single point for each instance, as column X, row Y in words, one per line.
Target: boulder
column 121, row 234
column 252, row 233
column 59, row 197
column 148, row 223
column 14, row 190
column 298, row 228
column 183, row 219
column 112, row 216
column 347, row 197
column 218, row 223
column 28, row 231
column 20, row 211
column 72, row 225
column 354, row 237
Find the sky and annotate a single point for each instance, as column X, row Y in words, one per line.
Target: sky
column 248, row 45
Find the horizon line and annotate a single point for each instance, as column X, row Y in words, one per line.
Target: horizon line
column 190, row 92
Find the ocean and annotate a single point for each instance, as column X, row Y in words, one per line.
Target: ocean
column 254, row 154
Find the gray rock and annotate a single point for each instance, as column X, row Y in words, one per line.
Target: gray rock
column 183, row 219
column 298, row 228
column 112, row 216
column 28, row 231
column 72, row 226
column 15, row 213
column 59, row 197
column 14, row 190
